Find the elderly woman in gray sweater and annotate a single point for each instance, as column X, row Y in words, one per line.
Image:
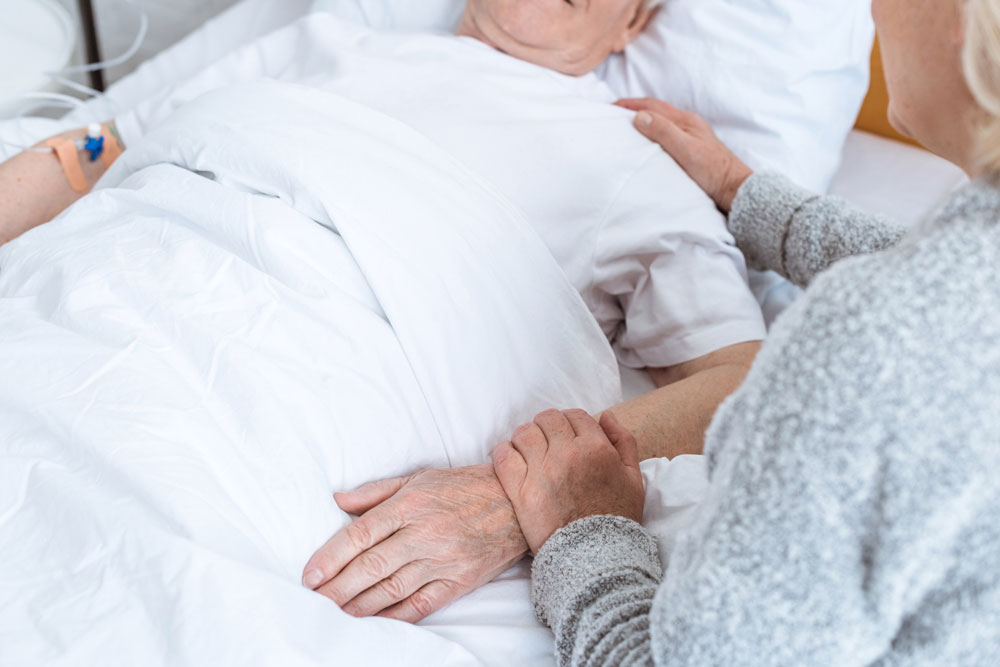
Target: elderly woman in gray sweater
column 854, row 510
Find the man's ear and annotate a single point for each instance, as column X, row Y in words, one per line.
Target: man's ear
column 643, row 15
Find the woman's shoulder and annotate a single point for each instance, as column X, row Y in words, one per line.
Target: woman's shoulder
column 893, row 352
column 946, row 268
column 963, row 235
column 977, row 202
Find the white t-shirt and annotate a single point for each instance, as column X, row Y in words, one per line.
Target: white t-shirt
column 645, row 247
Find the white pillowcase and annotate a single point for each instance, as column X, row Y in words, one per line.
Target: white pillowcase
column 781, row 80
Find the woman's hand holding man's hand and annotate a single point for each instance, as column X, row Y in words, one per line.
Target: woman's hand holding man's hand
column 693, row 144
column 566, row 466
column 424, row 540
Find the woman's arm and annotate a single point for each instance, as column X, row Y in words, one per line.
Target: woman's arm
column 778, row 226
column 34, row 188
column 672, row 420
column 782, row 227
column 839, row 509
column 668, row 422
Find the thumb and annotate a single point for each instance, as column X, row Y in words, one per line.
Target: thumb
column 369, row 495
column 510, row 468
column 621, row 438
column 661, row 130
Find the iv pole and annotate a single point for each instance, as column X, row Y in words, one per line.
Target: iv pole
column 91, row 43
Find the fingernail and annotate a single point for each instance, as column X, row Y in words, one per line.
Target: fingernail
column 644, row 119
column 312, row 579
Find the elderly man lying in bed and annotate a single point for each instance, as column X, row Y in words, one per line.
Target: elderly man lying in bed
column 513, row 98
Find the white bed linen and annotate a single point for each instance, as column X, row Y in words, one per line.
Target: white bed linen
column 894, row 179
column 190, row 367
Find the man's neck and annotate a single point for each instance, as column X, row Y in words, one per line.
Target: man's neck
column 468, row 27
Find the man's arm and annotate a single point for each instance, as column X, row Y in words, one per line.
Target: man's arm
column 426, row 540
column 34, row 189
column 672, row 420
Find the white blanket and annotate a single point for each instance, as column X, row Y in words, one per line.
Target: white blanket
column 275, row 295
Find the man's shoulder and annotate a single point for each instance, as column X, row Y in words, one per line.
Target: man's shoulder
column 655, row 194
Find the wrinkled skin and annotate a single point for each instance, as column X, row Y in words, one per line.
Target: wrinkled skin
column 566, row 466
column 401, row 560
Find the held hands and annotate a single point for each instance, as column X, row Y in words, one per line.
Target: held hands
column 566, row 466
column 425, row 540
column 692, row 143
column 421, row 542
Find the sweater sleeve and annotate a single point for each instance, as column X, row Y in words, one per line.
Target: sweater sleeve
column 593, row 583
column 782, row 227
column 837, row 511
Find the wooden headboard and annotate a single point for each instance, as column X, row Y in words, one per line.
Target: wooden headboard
column 874, row 115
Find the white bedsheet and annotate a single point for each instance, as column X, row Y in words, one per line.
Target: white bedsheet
column 190, row 366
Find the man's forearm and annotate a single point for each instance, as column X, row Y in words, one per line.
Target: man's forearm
column 672, row 420
column 34, row 189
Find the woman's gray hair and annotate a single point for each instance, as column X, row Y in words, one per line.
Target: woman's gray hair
column 982, row 71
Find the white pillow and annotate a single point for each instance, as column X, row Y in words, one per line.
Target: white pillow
column 781, row 80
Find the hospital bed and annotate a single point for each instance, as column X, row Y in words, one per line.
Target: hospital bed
column 495, row 625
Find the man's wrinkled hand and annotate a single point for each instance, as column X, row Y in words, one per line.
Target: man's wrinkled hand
column 566, row 466
column 420, row 543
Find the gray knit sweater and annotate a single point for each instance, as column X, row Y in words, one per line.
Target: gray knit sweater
column 854, row 510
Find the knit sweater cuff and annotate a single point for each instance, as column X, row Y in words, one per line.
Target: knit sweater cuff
column 585, row 551
column 762, row 213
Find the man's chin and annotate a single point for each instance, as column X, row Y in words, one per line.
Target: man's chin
column 549, row 60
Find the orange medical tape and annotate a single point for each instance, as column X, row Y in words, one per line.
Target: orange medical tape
column 112, row 149
column 66, row 153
